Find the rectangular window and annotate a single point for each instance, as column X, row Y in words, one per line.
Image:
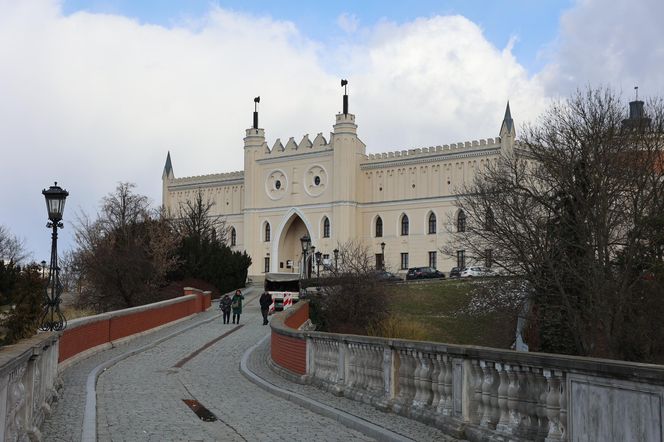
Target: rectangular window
column 404, row 261
column 432, row 260
column 461, row 259
column 488, row 258
column 379, row 261
column 267, row 264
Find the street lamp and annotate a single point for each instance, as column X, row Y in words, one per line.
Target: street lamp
column 336, row 260
column 43, row 263
column 382, row 254
column 52, row 318
column 306, row 243
column 319, row 255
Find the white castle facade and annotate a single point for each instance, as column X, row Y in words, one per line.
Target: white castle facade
column 400, row 204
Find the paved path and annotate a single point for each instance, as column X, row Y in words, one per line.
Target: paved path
column 141, row 398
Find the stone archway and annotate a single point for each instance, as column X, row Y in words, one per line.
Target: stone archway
column 289, row 246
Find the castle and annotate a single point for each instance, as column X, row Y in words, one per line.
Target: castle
column 398, row 204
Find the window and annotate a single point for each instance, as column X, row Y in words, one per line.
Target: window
column 488, row 258
column 432, row 260
column 461, row 259
column 266, row 267
column 404, row 225
column 326, row 227
column 379, row 227
column 490, row 221
column 404, row 261
column 432, row 222
column 233, row 237
column 461, row 221
column 317, row 180
column 267, row 232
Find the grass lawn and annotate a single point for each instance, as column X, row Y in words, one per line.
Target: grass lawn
column 436, row 304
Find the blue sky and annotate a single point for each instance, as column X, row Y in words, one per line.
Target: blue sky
column 95, row 93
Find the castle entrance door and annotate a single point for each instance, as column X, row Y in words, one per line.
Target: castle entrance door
column 290, row 247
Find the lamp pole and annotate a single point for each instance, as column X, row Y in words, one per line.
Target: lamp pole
column 336, row 260
column 43, row 264
column 318, row 258
column 306, row 244
column 382, row 255
column 52, row 318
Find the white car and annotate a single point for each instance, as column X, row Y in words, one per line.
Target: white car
column 476, row 272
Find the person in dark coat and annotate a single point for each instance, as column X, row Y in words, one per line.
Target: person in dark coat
column 236, row 305
column 265, row 302
column 225, row 307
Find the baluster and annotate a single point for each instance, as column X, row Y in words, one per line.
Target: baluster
column 489, row 395
column 476, row 406
column 436, row 385
column 513, row 402
column 529, row 400
column 503, row 425
column 563, row 406
column 540, row 407
column 553, row 398
column 448, row 405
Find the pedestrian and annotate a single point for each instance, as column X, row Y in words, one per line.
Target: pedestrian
column 225, row 307
column 236, row 305
column 265, row 302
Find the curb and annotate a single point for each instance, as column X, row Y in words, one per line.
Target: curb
column 347, row 419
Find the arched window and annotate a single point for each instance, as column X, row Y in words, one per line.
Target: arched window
column 233, row 237
column 326, row 227
column 432, row 222
column 267, row 232
column 490, row 221
column 461, row 221
column 404, row 225
column 379, row 227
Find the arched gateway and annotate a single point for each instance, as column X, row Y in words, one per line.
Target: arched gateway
column 288, row 248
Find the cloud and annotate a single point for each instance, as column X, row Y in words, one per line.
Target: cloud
column 348, row 22
column 617, row 45
column 93, row 99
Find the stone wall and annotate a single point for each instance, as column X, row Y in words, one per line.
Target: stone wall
column 483, row 393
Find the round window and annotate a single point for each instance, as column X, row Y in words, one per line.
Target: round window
column 277, row 184
column 317, row 180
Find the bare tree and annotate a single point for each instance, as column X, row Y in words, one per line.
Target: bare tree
column 571, row 212
column 353, row 298
column 195, row 219
column 124, row 254
column 12, row 248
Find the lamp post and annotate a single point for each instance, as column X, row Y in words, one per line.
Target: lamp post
column 43, row 263
column 312, row 251
column 382, row 255
column 52, row 318
column 336, row 260
column 319, row 255
column 306, row 243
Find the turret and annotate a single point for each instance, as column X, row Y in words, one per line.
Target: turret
column 637, row 115
column 166, row 176
column 507, row 132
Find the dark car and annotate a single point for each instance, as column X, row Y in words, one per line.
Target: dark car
column 423, row 273
column 383, row 275
column 456, row 272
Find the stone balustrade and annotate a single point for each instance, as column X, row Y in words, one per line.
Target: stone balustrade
column 487, row 394
column 28, row 380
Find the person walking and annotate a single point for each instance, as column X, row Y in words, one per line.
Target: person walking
column 225, row 307
column 236, row 305
column 265, row 302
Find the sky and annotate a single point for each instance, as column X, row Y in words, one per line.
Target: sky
column 93, row 93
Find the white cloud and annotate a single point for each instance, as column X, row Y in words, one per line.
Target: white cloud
column 615, row 43
column 348, row 22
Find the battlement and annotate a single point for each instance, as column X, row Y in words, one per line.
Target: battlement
column 291, row 146
column 216, row 178
column 466, row 146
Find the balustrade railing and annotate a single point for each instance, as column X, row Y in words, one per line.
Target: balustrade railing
column 483, row 393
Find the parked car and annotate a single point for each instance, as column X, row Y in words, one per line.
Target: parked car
column 423, row 273
column 455, row 272
column 477, row 272
column 383, row 275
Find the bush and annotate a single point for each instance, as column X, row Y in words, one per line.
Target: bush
column 25, row 299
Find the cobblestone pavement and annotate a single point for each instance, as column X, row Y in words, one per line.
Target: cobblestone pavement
column 141, row 397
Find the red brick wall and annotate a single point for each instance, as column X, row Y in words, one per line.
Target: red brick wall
column 289, row 353
column 75, row 340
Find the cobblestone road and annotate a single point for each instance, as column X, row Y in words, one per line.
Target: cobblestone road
column 141, row 397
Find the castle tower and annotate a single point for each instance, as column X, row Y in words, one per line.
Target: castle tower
column 637, row 115
column 166, row 176
column 348, row 151
column 507, row 132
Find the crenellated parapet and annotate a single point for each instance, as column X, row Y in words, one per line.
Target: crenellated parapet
column 214, row 179
column 452, row 150
column 304, row 145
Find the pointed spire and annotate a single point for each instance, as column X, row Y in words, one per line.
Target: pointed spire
column 168, row 167
column 508, row 124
